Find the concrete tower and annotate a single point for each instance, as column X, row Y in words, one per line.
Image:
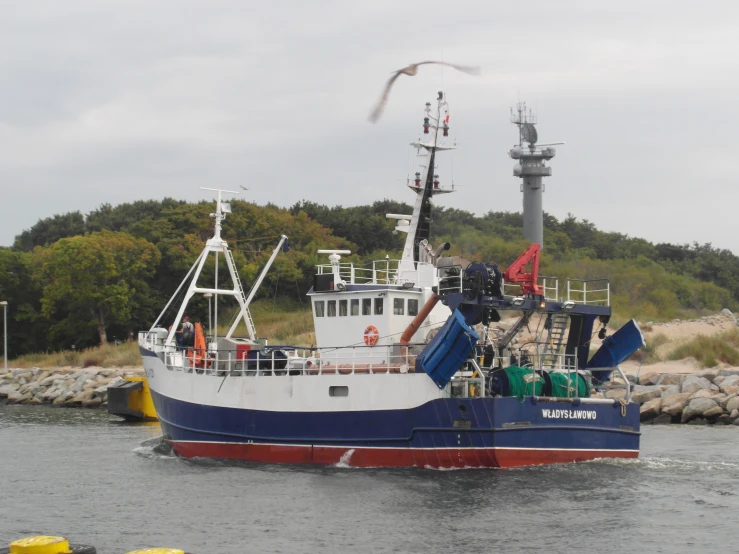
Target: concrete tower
column 531, row 168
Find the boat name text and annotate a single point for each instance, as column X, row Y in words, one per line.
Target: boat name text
column 568, row 414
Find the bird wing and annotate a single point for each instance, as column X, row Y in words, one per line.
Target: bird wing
column 469, row 69
column 380, row 106
column 411, row 71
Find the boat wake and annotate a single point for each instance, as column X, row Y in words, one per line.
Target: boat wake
column 345, row 459
column 659, row 463
column 155, row 449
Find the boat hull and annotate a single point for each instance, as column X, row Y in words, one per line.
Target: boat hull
column 442, row 433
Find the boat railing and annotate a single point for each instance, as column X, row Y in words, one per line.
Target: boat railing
column 595, row 292
column 469, row 383
column 450, row 279
column 549, row 286
column 379, row 272
column 547, row 361
column 283, row 360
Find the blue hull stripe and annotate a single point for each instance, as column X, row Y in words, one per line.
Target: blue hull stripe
column 439, row 423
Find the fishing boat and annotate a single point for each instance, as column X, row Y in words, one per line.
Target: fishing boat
column 415, row 363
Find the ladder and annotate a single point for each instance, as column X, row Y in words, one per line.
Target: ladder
column 557, row 328
column 250, row 322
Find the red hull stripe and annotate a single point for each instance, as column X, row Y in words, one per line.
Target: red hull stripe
column 391, row 457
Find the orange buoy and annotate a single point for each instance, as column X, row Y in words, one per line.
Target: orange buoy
column 371, row 335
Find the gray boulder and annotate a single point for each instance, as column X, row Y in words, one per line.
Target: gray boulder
column 649, row 379
column 92, row 402
column 698, row 407
column 669, row 390
column 709, row 374
column 726, row 312
column 732, row 404
column 728, row 371
column 662, row 419
column 17, row 397
column 694, row 383
column 734, row 414
column 6, row 390
column 671, row 379
column 712, row 412
column 82, row 397
column 729, row 381
column 675, row 404
column 643, row 394
column 650, row 409
column 715, row 395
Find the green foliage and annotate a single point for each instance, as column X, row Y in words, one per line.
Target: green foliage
column 710, row 350
column 27, row 329
column 650, row 350
column 365, row 226
column 125, row 354
column 58, row 291
column 48, row 231
column 94, row 281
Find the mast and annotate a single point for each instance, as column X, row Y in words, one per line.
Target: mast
column 216, row 245
column 531, row 168
column 418, row 225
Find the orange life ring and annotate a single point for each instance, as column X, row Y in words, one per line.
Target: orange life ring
column 371, row 335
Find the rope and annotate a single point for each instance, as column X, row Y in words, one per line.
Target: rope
column 255, row 239
column 623, row 406
column 643, row 354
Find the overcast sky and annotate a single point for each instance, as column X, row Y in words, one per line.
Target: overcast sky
column 116, row 101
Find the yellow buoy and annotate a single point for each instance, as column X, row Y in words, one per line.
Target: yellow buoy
column 40, row 545
column 141, row 400
column 131, row 399
column 158, row 551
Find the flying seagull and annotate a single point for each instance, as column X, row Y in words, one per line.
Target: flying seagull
column 243, row 187
column 411, row 70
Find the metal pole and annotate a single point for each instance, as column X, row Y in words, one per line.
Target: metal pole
column 215, row 337
column 5, row 333
column 209, row 295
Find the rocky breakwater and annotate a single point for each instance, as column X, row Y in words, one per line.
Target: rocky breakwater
column 77, row 388
column 710, row 396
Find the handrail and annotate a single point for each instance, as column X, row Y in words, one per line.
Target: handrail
column 386, row 272
column 582, row 294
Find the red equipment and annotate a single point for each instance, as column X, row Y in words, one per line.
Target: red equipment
column 516, row 272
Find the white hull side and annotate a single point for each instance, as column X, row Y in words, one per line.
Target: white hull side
column 293, row 393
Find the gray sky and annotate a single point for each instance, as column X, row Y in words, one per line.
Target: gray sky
column 122, row 100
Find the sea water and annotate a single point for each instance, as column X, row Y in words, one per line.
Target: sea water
column 87, row 476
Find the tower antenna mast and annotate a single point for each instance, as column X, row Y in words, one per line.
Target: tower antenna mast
column 531, row 168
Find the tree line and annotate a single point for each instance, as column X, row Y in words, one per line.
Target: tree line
column 75, row 279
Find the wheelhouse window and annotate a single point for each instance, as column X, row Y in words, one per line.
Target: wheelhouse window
column 331, row 308
column 398, row 306
column 378, row 306
column 343, row 307
column 366, row 306
column 354, row 307
column 319, row 308
column 412, row 306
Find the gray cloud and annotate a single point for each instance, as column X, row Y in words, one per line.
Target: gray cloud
column 117, row 101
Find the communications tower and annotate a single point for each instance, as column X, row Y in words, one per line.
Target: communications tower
column 531, row 167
